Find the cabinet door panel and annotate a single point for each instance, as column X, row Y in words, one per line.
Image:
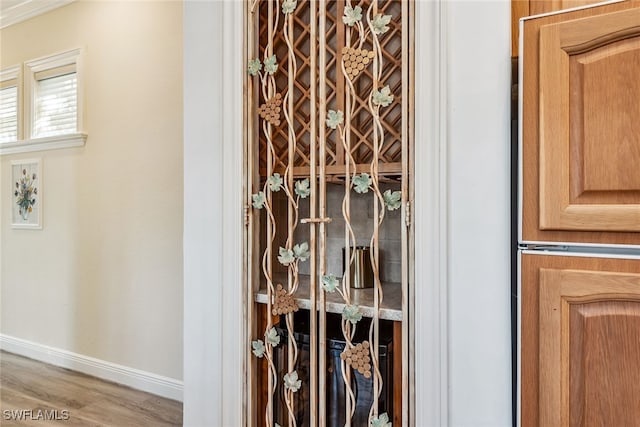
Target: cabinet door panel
column 523, row 8
column 604, row 349
column 581, row 136
column 603, row 112
column 589, row 347
column 580, row 341
column 587, row 85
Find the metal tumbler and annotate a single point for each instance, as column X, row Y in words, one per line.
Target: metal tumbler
column 360, row 272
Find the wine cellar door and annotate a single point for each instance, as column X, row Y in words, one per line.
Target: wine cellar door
column 328, row 156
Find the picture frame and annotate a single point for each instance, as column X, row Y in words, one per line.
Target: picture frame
column 26, row 194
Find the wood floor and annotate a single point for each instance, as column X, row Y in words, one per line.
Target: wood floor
column 44, row 395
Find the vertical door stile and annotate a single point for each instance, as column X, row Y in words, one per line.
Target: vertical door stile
column 406, row 198
column 348, row 231
column 378, row 135
column 268, row 89
column 292, row 206
column 322, row 330
column 313, row 283
column 252, row 245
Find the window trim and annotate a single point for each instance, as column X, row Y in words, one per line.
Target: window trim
column 26, row 101
column 44, row 143
column 14, row 74
column 46, row 64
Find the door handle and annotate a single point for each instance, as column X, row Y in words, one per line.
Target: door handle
column 315, row 220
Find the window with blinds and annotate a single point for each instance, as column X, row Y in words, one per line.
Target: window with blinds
column 41, row 104
column 8, row 113
column 55, row 103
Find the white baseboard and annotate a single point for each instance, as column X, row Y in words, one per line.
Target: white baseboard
column 131, row 377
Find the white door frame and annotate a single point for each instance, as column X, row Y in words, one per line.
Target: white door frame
column 430, row 212
column 214, row 322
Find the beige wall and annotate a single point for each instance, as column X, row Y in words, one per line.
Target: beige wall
column 103, row 278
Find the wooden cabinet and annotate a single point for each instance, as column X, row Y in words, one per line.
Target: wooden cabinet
column 580, row 225
column 523, row 8
column 580, row 341
column 588, row 72
column 581, row 138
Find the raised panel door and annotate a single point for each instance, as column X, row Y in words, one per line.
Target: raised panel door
column 581, row 136
column 589, row 348
column 523, row 8
column 580, row 341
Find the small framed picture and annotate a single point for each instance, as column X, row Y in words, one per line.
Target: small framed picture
column 26, row 194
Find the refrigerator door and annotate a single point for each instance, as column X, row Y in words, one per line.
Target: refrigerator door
column 580, row 132
column 580, row 340
column 579, row 177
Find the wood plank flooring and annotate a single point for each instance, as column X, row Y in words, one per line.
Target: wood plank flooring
column 60, row 397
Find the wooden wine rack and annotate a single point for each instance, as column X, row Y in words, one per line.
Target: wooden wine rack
column 361, row 124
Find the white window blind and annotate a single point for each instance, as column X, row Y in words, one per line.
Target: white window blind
column 56, row 105
column 9, row 114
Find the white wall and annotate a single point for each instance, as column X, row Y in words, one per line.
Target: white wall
column 474, row 188
column 478, row 81
column 103, row 278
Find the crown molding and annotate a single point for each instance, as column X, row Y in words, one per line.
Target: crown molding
column 27, row 9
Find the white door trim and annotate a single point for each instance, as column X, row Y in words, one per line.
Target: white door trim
column 430, row 383
column 430, row 213
column 233, row 290
column 213, row 215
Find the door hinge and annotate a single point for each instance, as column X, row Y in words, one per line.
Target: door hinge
column 407, row 215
